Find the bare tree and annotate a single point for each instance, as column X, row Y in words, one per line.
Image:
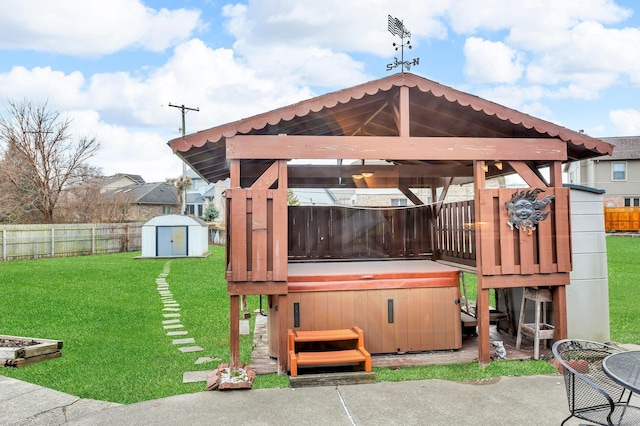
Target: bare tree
column 39, row 159
column 182, row 183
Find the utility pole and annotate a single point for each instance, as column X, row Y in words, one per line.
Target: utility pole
column 184, row 111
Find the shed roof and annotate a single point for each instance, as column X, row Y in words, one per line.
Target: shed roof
column 175, row 220
column 370, row 109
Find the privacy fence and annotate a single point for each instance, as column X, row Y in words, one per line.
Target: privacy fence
column 622, row 219
column 38, row 241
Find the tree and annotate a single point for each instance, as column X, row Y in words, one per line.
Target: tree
column 39, row 160
column 210, row 213
column 182, row 183
column 292, row 199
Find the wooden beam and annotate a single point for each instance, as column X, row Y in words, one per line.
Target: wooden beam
column 234, row 173
column 298, row 171
column 532, row 178
column 404, row 111
column 394, row 147
column 268, row 178
column 407, row 192
column 252, row 288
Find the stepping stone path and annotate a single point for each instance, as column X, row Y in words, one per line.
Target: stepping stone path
column 171, row 313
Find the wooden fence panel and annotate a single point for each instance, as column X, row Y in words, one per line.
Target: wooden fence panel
column 337, row 232
column 622, row 219
column 20, row 242
column 545, row 250
column 257, row 229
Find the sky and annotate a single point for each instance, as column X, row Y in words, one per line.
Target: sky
column 114, row 67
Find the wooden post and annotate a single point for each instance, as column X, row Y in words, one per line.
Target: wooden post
column 234, row 331
column 559, row 312
column 559, row 292
column 482, row 308
column 283, row 314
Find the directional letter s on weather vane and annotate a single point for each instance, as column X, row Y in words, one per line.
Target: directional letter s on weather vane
column 396, row 27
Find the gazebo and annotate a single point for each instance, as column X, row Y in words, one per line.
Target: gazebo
column 318, row 265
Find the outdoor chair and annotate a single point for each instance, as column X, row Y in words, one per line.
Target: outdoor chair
column 592, row 395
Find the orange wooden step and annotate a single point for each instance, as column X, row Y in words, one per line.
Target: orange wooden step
column 330, row 357
column 325, row 335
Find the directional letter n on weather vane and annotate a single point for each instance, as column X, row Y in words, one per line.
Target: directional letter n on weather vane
column 397, row 28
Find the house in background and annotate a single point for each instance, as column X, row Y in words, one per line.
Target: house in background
column 200, row 194
column 618, row 175
column 133, row 199
column 120, row 180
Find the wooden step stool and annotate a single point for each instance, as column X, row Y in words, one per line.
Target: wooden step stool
column 344, row 346
column 538, row 330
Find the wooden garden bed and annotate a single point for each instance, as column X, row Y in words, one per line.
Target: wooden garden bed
column 17, row 351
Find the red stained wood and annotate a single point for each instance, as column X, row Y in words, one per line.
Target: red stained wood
column 234, row 331
column 396, row 147
column 404, row 111
column 283, row 312
column 258, row 235
column 268, row 178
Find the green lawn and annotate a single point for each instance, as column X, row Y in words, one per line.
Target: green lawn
column 108, row 312
column 623, row 258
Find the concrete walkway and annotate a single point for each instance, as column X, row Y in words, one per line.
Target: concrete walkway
column 538, row 400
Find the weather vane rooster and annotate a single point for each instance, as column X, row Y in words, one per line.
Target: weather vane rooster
column 396, row 27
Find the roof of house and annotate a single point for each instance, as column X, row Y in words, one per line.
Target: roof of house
column 194, row 198
column 135, row 178
column 152, row 193
column 625, row 147
column 371, row 109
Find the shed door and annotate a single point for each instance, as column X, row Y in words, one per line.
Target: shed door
column 171, row 241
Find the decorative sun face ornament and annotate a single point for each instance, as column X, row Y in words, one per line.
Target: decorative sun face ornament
column 525, row 209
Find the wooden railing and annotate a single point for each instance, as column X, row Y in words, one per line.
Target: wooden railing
column 256, row 242
column 507, row 252
column 336, row 232
column 454, row 233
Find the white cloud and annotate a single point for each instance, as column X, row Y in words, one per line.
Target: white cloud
column 124, row 110
column 566, row 44
column 92, row 28
column 627, row 121
column 42, row 84
column 491, row 62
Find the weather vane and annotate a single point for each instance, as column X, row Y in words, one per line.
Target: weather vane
column 396, row 27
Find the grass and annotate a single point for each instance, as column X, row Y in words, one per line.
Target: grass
column 623, row 259
column 108, row 312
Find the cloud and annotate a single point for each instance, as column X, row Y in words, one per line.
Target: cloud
column 316, row 43
column 128, row 112
column 92, row 28
column 627, row 121
column 491, row 62
column 125, row 151
column 567, row 45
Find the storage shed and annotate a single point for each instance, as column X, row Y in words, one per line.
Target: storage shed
column 175, row 235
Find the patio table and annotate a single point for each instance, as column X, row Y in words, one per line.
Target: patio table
column 624, row 368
